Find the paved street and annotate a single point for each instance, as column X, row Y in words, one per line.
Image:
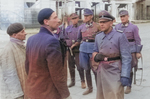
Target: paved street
column 138, row 91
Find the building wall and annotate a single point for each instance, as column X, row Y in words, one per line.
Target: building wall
column 11, row 12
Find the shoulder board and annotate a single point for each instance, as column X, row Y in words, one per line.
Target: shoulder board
column 120, row 31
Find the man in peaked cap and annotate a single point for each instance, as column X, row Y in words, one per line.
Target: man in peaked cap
column 73, row 54
column 112, row 53
column 132, row 33
column 44, row 65
column 86, row 36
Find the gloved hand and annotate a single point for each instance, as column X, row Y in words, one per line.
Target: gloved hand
column 124, row 81
column 99, row 57
column 69, row 97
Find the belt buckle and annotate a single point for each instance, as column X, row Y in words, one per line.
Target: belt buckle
column 73, row 41
column 105, row 59
column 86, row 40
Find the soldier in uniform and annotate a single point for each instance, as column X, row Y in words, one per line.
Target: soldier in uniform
column 111, row 51
column 73, row 54
column 86, row 36
column 132, row 33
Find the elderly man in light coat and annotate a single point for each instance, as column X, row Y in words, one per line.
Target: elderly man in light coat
column 12, row 64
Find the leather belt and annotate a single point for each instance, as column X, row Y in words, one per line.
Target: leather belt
column 131, row 40
column 113, row 58
column 89, row 40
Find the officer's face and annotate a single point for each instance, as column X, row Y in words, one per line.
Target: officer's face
column 87, row 18
column 53, row 22
column 74, row 20
column 105, row 24
column 124, row 18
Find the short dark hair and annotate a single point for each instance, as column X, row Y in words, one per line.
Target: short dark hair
column 14, row 28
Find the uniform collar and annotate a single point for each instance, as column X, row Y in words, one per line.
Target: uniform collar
column 122, row 25
column 75, row 25
column 109, row 35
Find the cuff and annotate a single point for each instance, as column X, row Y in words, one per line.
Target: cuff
column 139, row 48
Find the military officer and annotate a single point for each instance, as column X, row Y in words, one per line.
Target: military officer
column 132, row 33
column 111, row 50
column 73, row 54
column 86, row 36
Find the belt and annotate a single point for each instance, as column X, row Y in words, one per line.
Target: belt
column 89, row 40
column 131, row 40
column 113, row 58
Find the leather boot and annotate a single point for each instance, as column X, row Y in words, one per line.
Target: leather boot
column 89, row 82
column 72, row 74
column 128, row 90
column 81, row 73
column 83, row 85
column 89, row 90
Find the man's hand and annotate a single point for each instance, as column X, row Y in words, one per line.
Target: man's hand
column 72, row 46
column 138, row 55
column 124, row 81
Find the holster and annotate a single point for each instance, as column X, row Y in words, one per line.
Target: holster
column 134, row 61
column 76, row 49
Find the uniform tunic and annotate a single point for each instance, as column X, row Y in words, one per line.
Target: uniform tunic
column 86, row 48
column 112, row 45
column 132, row 32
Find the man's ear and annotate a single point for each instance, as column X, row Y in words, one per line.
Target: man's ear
column 13, row 35
column 45, row 21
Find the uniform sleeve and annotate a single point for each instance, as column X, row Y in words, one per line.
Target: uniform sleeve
column 95, row 45
column 125, row 56
column 56, row 69
column 79, row 36
column 137, row 39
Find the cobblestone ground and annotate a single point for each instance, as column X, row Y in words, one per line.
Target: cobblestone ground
column 138, row 91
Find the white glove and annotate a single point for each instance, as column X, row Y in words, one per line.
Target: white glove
column 69, row 97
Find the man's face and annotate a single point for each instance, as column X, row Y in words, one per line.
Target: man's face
column 20, row 35
column 87, row 18
column 74, row 20
column 124, row 18
column 53, row 22
column 105, row 24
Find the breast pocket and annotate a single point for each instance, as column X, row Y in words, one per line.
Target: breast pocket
column 129, row 33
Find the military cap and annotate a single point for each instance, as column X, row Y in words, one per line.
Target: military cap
column 105, row 15
column 73, row 15
column 44, row 14
column 88, row 12
column 123, row 12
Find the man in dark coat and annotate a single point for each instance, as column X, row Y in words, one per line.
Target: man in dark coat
column 44, row 62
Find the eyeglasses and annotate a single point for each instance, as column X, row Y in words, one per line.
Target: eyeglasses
column 104, row 21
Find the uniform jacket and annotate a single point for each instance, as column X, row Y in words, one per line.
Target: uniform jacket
column 44, row 66
column 12, row 64
column 91, row 32
column 132, row 32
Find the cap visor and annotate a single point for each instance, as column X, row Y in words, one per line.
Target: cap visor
column 105, row 18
